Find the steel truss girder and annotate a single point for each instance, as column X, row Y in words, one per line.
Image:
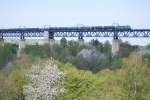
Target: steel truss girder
column 74, row 32
column 134, row 34
column 26, row 34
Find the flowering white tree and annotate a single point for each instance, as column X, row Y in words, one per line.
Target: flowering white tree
column 45, row 82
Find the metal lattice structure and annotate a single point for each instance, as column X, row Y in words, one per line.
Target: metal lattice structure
column 80, row 32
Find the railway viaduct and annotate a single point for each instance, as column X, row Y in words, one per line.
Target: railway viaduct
column 49, row 34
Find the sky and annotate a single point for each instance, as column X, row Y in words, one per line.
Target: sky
column 45, row 13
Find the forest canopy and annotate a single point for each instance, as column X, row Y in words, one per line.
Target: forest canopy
column 87, row 71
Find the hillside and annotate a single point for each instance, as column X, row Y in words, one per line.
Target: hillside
column 75, row 71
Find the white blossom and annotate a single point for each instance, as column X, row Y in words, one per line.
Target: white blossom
column 45, row 82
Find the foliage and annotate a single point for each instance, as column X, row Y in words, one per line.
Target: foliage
column 11, row 85
column 18, row 78
column 130, row 82
column 117, row 62
column 148, row 46
column 68, row 51
column 126, row 49
column 7, row 90
column 45, row 82
column 116, row 78
column 7, row 53
column 78, row 83
column 38, row 50
column 84, row 85
column 136, row 72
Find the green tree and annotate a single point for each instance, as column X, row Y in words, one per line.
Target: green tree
column 63, row 42
column 135, row 73
column 18, row 78
column 6, row 55
column 126, row 49
column 107, row 47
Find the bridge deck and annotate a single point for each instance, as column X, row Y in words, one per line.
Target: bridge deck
column 96, row 31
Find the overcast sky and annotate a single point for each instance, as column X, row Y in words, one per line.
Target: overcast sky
column 37, row 13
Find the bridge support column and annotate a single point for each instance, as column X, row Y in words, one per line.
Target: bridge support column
column 21, row 45
column 49, row 37
column 80, row 37
column 1, row 39
column 81, row 40
column 115, row 46
column 2, row 43
column 46, row 37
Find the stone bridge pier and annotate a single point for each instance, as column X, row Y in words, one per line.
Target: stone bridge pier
column 49, row 37
column 1, row 39
column 21, row 44
column 80, row 37
column 115, row 44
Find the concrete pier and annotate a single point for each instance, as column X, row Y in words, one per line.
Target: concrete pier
column 81, row 40
column 48, row 37
column 1, row 39
column 80, row 37
column 1, row 42
column 21, row 46
column 115, row 47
